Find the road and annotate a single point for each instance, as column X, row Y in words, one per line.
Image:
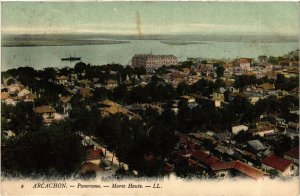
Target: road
column 109, row 155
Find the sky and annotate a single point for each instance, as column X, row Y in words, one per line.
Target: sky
column 151, row 18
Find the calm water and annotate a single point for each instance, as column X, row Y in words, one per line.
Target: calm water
column 49, row 56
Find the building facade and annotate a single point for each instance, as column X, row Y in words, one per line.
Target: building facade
column 152, row 62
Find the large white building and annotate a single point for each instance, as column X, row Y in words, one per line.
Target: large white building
column 151, row 62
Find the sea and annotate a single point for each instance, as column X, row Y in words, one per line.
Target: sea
column 40, row 57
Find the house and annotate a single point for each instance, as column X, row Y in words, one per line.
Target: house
column 48, row 113
column 289, row 63
column 85, row 92
column 293, row 155
column 281, row 165
column 295, row 91
column 65, row 103
column 243, row 63
column 228, row 67
column 268, row 67
column 262, row 59
column 29, row 98
column 256, row 146
column 223, row 150
column 218, row 98
column 223, row 135
column 8, row 134
column 9, row 81
column 23, row 92
column 280, row 121
column 293, row 130
column 266, row 86
column 238, row 168
column 91, row 167
column 73, row 76
column 263, row 131
column 15, row 88
column 239, row 128
column 108, row 108
column 189, row 99
column 6, row 98
column 62, row 80
column 203, row 159
column 94, row 153
column 111, row 84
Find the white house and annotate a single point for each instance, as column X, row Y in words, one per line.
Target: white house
column 62, row 80
column 283, row 166
column 23, row 92
column 48, row 113
column 111, row 84
column 239, row 128
column 293, row 155
column 189, row 99
column 65, row 102
column 243, row 63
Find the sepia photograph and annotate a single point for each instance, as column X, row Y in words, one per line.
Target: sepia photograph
column 150, row 97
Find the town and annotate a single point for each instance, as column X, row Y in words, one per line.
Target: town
column 199, row 118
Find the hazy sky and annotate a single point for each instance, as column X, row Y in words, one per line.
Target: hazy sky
column 147, row 18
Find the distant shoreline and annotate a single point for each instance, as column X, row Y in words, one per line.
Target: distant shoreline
column 102, row 39
column 37, row 43
column 181, row 43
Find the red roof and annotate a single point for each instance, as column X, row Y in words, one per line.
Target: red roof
column 222, row 166
column 248, row 170
column 294, row 152
column 239, row 166
column 191, row 162
column 204, row 157
column 94, row 154
column 277, row 162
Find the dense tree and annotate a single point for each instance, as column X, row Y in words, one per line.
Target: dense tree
column 100, row 94
column 220, row 71
column 85, row 120
column 120, row 93
column 285, row 83
column 244, row 80
column 21, row 117
column 183, row 88
column 80, row 67
column 241, row 107
column 203, row 87
column 51, row 151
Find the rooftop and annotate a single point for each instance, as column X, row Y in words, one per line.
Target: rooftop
column 94, row 154
column 4, row 95
column 65, row 99
column 277, row 162
column 44, row 109
column 85, row 92
column 293, row 152
column 154, row 56
column 239, row 166
column 111, row 107
column 204, row 157
column 256, row 144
